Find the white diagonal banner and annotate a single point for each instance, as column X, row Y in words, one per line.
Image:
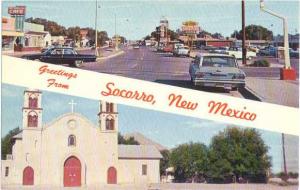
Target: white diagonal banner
column 150, row 95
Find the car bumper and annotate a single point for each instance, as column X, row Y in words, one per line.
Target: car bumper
column 219, row 83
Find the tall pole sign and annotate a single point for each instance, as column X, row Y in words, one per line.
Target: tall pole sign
column 244, row 51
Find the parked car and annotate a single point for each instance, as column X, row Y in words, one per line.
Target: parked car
column 216, row 70
column 61, row 56
column 178, row 45
column 294, row 53
column 184, row 50
column 50, row 47
column 238, row 54
column 168, row 49
column 221, row 50
column 268, row 51
column 136, row 46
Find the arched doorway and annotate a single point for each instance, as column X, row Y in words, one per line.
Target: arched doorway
column 112, row 175
column 28, row 176
column 72, row 172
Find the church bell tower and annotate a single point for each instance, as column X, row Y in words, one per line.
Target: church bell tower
column 108, row 117
column 32, row 109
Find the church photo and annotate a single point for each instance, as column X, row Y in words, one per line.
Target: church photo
column 72, row 151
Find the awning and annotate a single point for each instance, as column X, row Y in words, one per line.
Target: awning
column 12, row 33
column 35, row 33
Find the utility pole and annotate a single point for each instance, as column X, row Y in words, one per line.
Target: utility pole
column 284, row 160
column 244, row 51
column 96, row 32
column 286, row 73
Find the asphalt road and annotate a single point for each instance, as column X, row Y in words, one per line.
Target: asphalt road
column 149, row 65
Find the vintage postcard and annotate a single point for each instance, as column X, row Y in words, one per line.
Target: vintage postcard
column 150, row 95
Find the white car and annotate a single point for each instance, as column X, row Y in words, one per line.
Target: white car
column 185, row 51
column 238, row 54
column 216, row 70
column 136, row 46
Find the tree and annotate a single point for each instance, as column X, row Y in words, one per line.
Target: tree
column 74, row 33
column 7, row 142
column 102, row 36
column 189, row 161
column 238, row 152
column 254, row 32
column 217, row 35
column 156, row 34
column 164, row 162
column 129, row 141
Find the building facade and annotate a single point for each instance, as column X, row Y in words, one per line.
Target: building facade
column 10, row 36
column 71, row 151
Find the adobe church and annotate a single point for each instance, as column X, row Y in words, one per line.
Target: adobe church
column 71, row 151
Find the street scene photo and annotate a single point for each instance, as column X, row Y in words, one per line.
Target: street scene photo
column 238, row 48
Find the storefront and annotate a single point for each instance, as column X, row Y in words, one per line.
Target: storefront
column 10, row 37
column 34, row 37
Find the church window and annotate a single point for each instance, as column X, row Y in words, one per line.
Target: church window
column 32, row 119
column 72, row 140
column 110, row 124
column 109, row 107
column 33, row 101
column 6, row 171
column 144, row 169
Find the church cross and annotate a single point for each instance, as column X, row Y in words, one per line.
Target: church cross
column 72, row 103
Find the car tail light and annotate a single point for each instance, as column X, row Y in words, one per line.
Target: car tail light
column 238, row 76
column 199, row 75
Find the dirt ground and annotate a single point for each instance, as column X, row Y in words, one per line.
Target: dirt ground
column 168, row 186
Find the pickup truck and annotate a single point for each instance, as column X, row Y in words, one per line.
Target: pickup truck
column 61, row 55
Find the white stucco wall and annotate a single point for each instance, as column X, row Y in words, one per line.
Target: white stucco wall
column 135, row 168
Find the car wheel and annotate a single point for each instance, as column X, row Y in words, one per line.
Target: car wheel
column 234, row 88
column 78, row 63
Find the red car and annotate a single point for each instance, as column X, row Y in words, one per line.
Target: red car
column 168, row 49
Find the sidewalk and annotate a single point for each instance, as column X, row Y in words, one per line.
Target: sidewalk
column 275, row 91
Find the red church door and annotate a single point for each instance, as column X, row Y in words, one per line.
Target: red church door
column 72, row 172
column 28, row 176
column 112, row 175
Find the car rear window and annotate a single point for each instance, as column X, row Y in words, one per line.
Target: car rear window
column 218, row 62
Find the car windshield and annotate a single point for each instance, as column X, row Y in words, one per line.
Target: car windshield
column 218, row 62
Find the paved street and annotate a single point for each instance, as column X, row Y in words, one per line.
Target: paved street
column 163, row 68
column 168, row 186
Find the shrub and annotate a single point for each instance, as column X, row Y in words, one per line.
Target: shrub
column 260, row 63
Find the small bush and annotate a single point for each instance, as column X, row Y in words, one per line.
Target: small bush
column 260, row 63
column 293, row 175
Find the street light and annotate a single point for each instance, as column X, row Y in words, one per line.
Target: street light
column 287, row 73
column 96, row 32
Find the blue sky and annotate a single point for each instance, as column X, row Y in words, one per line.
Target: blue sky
column 167, row 129
column 136, row 19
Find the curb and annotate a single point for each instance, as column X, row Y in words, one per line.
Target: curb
column 110, row 56
column 248, row 93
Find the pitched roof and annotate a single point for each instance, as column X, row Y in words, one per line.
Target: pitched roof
column 18, row 136
column 142, row 140
column 138, row 152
